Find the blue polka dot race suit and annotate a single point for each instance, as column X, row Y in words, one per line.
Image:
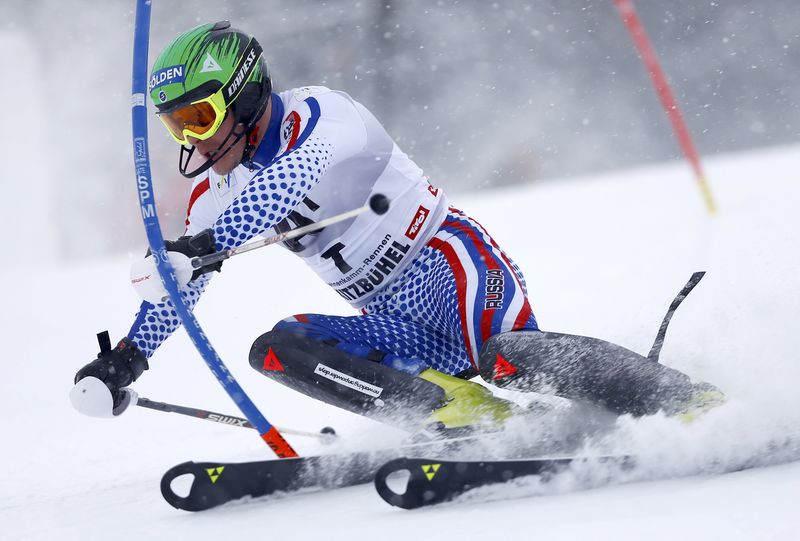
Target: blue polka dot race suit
column 430, row 282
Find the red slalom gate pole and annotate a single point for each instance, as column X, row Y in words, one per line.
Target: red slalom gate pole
column 636, row 29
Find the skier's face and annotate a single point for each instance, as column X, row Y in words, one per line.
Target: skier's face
column 210, row 148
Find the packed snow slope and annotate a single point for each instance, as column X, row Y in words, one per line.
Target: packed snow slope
column 603, row 257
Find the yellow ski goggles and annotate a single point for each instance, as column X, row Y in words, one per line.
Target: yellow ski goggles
column 200, row 119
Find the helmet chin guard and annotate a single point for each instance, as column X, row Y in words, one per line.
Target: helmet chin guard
column 187, row 152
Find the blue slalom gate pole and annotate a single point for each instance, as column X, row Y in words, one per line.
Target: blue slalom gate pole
column 144, row 184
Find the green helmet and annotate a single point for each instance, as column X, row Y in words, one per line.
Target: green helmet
column 205, row 59
column 200, row 61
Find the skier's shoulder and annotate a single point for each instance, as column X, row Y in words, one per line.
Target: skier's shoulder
column 320, row 111
column 307, row 98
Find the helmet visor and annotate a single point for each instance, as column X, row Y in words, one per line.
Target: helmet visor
column 200, row 119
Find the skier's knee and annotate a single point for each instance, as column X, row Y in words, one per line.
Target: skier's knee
column 280, row 348
column 286, row 346
column 339, row 376
column 262, row 346
column 498, row 362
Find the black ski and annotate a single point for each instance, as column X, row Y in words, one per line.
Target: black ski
column 217, row 483
column 431, row 481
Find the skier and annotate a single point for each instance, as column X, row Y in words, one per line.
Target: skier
column 440, row 301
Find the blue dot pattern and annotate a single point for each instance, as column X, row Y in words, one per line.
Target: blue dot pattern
column 155, row 322
column 267, row 199
column 273, row 193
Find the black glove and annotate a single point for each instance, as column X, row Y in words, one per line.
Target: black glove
column 196, row 246
column 117, row 368
column 200, row 244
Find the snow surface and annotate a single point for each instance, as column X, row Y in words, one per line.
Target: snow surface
column 603, row 256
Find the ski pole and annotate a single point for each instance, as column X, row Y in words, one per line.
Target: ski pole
column 655, row 351
column 378, row 204
column 327, row 434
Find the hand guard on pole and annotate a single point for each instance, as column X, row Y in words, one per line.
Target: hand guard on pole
column 116, row 369
column 199, row 245
column 181, row 252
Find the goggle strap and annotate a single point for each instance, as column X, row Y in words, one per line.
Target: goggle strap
column 247, row 63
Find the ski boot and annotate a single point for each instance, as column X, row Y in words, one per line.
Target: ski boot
column 467, row 407
column 704, row 398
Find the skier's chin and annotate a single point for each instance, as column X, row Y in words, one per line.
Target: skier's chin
column 223, row 168
column 227, row 162
column 228, row 159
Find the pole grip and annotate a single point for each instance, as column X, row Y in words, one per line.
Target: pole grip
column 201, row 261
